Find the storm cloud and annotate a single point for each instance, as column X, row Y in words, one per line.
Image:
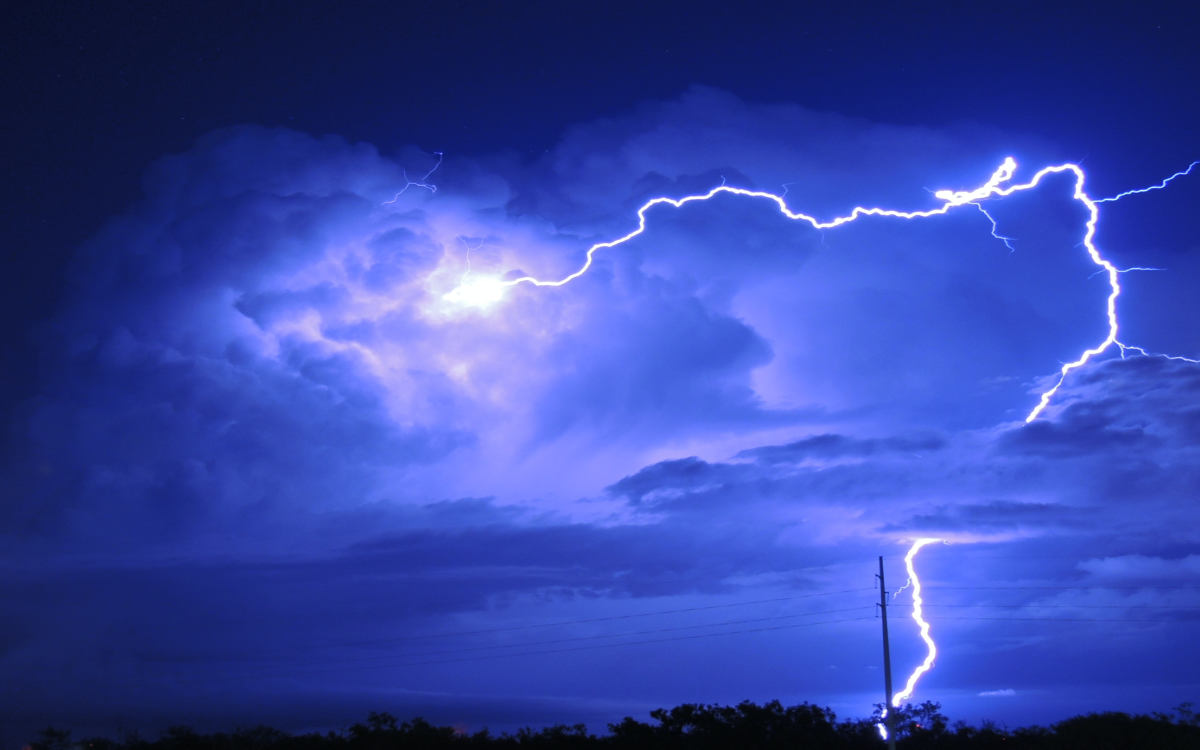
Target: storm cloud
column 265, row 428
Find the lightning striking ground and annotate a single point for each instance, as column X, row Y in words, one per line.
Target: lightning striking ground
column 483, row 291
column 918, row 615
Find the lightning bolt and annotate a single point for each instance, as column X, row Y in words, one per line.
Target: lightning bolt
column 483, row 291
column 918, row 615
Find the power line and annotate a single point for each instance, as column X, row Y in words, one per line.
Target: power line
column 677, row 633
column 1173, row 587
column 594, row 646
column 610, row 618
column 590, row 620
column 299, row 669
column 574, row 639
column 1066, row 619
column 1175, row 608
column 654, row 640
column 584, row 621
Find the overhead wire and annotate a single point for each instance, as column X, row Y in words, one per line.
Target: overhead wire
column 501, row 647
column 609, row 618
column 625, row 634
column 398, row 662
column 1176, row 608
column 386, row 663
column 1156, row 620
column 536, row 648
column 1096, row 587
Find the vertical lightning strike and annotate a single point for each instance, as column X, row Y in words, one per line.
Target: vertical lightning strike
column 999, row 185
column 1113, row 285
column 918, row 615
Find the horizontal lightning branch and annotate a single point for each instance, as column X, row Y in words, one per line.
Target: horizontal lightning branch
column 484, row 290
column 1159, row 186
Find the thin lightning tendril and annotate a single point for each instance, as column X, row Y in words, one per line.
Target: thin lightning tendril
column 1143, row 353
column 995, row 228
column 1159, row 186
column 423, row 183
column 467, row 246
column 479, row 292
column 1127, row 270
column 999, row 185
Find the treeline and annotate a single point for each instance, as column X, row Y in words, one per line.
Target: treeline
column 746, row 726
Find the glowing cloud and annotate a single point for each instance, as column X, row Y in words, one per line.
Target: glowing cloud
column 477, row 292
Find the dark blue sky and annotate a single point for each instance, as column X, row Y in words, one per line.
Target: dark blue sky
column 259, row 469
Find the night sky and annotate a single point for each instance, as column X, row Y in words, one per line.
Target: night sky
column 258, row 468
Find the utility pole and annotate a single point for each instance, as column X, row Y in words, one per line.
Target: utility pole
column 887, row 661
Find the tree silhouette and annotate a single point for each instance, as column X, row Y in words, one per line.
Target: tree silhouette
column 693, row 726
column 52, row 739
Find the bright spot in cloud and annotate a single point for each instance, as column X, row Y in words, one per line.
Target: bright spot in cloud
column 1002, row 693
column 480, row 292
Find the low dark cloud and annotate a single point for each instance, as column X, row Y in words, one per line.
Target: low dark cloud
column 677, row 475
column 998, row 515
column 838, row 446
